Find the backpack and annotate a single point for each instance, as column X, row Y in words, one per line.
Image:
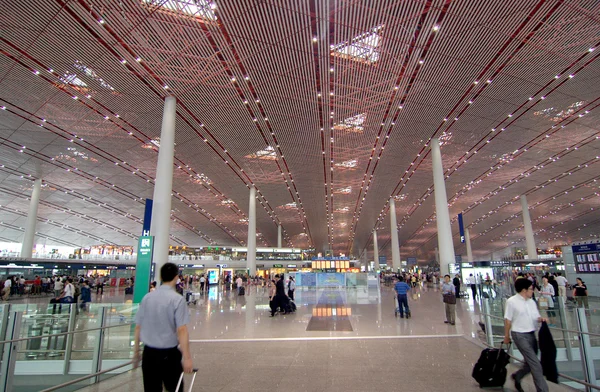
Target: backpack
column 77, row 291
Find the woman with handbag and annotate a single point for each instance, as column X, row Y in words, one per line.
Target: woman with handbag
column 449, row 300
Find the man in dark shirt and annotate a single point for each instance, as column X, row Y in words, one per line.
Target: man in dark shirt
column 280, row 297
column 456, row 283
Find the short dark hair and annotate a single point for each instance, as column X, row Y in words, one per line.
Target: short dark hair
column 401, row 278
column 446, row 275
column 168, row 272
column 522, row 284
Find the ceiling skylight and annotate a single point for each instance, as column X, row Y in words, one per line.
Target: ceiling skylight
column 363, row 47
column 73, row 80
column 289, row 206
column 343, row 191
column 89, row 72
column 556, row 114
column 268, row 154
column 352, row 124
column 348, row 164
column 202, row 9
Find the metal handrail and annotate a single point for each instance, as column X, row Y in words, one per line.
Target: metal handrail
column 64, row 333
column 582, row 382
column 555, row 328
column 75, row 381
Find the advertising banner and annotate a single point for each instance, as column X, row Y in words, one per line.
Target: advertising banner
column 331, row 279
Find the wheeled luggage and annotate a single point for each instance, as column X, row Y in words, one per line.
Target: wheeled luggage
column 194, row 372
column 190, row 298
column 242, row 291
column 490, row 369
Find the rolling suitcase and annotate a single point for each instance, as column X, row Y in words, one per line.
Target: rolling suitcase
column 242, row 291
column 194, row 372
column 490, row 369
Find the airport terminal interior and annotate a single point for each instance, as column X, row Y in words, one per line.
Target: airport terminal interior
column 337, row 145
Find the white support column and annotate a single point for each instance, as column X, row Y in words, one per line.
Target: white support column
column 251, row 259
column 531, row 248
column 468, row 242
column 445, row 243
column 375, row 252
column 394, row 231
column 29, row 236
column 160, row 227
column 279, row 237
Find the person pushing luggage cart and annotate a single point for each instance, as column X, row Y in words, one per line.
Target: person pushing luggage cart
column 402, row 288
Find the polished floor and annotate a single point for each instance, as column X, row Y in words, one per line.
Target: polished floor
column 338, row 340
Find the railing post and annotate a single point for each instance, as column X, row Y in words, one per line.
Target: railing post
column 98, row 349
column 3, row 325
column 562, row 310
column 9, row 356
column 587, row 360
column 488, row 322
column 69, row 337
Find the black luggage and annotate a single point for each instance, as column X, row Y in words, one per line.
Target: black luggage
column 128, row 290
column 490, row 369
column 242, row 291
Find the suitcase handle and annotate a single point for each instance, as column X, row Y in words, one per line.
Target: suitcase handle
column 194, row 371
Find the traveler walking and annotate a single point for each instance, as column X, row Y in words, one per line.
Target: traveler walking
column 580, row 293
column 520, row 322
column 86, row 294
column 456, row 283
column 402, row 289
column 6, row 289
column 239, row 282
column 58, row 286
column 291, row 288
column 272, row 291
column 562, row 287
column 202, row 282
column 471, row 282
column 449, row 300
column 161, row 323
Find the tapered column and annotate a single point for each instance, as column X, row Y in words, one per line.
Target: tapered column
column 279, row 237
column 394, row 231
column 251, row 259
column 160, row 227
column 27, row 246
column 531, row 248
column 445, row 244
column 375, row 252
column 468, row 243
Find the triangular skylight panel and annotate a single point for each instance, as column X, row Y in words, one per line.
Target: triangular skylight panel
column 202, row 9
column 268, row 153
column 352, row 124
column 363, row 47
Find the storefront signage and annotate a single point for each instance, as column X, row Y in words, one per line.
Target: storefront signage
column 500, row 263
column 277, row 265
column 143, row 268
column 222, row 265
column 292, row 266
column 329, row 258
column 466, row 265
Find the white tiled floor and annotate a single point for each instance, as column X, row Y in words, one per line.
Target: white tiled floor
column 238, row 347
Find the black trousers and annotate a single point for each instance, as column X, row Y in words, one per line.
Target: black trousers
column 474, row 290
column 457, row 291
column 161, row 366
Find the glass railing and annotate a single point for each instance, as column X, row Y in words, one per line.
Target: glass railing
column 576, row 334
column 63, row 347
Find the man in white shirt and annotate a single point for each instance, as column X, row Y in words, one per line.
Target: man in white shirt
column 6, row 289
column 239, row 282
column 562, row 286
column 521, row 318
